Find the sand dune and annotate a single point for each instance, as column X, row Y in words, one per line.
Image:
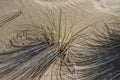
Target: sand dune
column 26, row 63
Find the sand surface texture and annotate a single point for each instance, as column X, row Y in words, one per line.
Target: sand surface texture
column 12, row 16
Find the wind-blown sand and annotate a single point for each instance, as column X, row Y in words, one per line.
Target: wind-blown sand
column 81, row 11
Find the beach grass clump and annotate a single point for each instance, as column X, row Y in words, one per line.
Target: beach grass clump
column 34, row 50
column 55, row 32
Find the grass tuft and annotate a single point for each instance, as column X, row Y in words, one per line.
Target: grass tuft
column 54, row 32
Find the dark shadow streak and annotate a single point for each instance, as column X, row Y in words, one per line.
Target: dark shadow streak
column 10, row 17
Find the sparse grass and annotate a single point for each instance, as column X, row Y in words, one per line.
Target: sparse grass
column 54, row 32
column 48, row 46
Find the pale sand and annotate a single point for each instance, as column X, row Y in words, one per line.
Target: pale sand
column 83, row 12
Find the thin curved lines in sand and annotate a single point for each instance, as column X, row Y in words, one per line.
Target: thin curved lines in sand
column 31, row 61
column 55, row 4
column 38, row 64
column 18, row 60
column 29, row 67
column 9, row 17
column 109, row 6
column 104, row 61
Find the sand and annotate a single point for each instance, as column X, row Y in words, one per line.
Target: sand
column 82, row 12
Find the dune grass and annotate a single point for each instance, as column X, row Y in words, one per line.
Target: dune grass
column 47, row 44
column 54, row 32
